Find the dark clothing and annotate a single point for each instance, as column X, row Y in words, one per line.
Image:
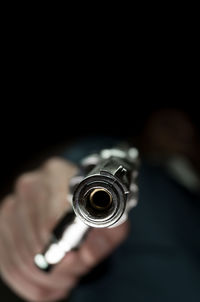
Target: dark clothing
column 160, row 260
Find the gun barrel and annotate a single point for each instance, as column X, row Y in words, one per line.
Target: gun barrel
column 101, row 199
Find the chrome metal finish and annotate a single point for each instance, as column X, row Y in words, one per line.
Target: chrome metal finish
column 100, row 197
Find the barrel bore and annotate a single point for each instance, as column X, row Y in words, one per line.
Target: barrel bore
column 100, row 199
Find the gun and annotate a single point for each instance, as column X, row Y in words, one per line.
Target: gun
column 101, row 196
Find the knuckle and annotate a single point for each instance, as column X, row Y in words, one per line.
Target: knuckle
column 25, row 181
column 6, row 205
column 119, row 234
column 39, row 294
column 7, row 270
column 52, row 163
column 125, row 228
column 10, row 270
column 58, row 165
column 89, row 259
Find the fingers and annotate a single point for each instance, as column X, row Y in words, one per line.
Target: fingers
column 31, row 284
column 31, row 291
column 101, row 242
column 98, row 245
column 45, row 191
column 19, row 271
column 39, row 199
column 56, row 174
column 72, row 264
column 42, row 199
column 29, row 196
column 26, row 219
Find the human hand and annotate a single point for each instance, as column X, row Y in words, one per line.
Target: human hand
column 27, row 218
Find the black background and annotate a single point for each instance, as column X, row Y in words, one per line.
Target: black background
column 47, row 104
column 33, row 129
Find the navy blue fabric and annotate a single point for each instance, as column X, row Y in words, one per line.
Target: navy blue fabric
column 160, row 259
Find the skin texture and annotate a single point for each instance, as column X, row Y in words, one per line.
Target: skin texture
column 27, row 217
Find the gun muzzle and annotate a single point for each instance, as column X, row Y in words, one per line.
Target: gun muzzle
column 101, row 199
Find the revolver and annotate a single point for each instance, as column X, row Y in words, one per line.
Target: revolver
column 101, row 196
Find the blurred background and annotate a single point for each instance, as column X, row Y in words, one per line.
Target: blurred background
column 47, row 105
column 30, row 132
column 37, row 124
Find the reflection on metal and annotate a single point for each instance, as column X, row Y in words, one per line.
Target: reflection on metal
column 41, row 262
column 70, row 239
column 101, row 197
